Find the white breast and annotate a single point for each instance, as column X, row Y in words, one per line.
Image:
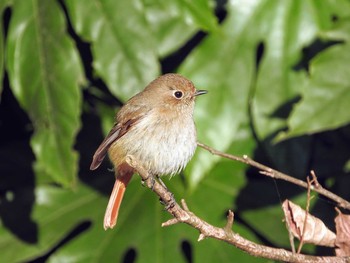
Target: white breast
column 162, row 145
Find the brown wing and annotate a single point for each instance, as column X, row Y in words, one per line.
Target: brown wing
column 117, row 131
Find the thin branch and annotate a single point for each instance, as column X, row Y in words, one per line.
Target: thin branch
column 309, row 184
column 184, row 215
column 290, row 234
column 314, row 179
column 278, row 175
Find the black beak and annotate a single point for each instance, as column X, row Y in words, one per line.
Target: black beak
column 200, row 92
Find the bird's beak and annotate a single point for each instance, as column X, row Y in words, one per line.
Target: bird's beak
column 200, row 92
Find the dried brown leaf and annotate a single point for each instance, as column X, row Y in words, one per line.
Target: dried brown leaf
column 315, row 232
column 342, row 225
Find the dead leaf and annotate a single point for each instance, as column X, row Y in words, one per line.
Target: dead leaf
column 316, row 231
column 342, row 225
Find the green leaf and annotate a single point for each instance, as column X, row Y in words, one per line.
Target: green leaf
column 221, row 115
column 124, row 56
column 202, row 13
column 225, row 64
column 325, row 100
column 341, row 31
column 172, row 23
column 44, row 70
column 58, row 211
column 138, row 228
column 283, row 32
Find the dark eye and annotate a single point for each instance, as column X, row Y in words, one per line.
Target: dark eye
column 178, row 94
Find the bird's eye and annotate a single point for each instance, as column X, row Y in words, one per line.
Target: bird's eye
column 178, row 94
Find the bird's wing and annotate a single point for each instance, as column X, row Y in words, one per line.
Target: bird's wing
column 118, row 130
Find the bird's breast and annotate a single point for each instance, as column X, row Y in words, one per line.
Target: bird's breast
column 162, row 144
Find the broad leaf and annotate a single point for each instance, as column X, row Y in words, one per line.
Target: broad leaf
column 272, row 33
column 326, row 95
column 172, row 23
column 58, row 211
column 341, row 31
column 124, row 56
column 201, row 12
column 44, row 71
column 283, row 36
column 224, row 65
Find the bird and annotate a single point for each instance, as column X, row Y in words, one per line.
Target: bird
column 156, row 127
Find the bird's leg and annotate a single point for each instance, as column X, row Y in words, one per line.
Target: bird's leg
column 146, row 176
column 150, row 177
column 171, row 202
column 161, row 182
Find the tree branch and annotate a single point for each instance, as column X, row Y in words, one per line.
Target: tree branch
column 184, row 215
column 278, row 175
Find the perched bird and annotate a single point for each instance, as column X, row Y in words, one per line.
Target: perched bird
column 156, row 127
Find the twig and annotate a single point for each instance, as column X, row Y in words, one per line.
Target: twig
column 290, row 233
column 278, row 175
column 309, row 184
column 184, row 215
column 314, row 179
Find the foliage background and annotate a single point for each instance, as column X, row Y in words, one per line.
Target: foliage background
column 278, row 75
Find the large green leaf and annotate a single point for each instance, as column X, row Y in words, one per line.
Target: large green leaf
column 325, row 99
column 58, row 211
column 169, row 27
column 326, row 92
column 274, row 34
column 124, row 56
column 172, row 23
column 279, row 73
column 44, row 71
column 293, row 25
column 224, row 65
column 201, row 12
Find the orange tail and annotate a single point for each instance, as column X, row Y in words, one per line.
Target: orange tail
column 115, row 200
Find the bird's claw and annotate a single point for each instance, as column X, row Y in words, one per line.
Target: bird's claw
column 152, row 181
column 168, row 204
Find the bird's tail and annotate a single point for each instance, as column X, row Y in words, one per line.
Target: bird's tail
column 111, row 214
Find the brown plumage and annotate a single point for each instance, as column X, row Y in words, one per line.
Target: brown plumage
column 156, row 127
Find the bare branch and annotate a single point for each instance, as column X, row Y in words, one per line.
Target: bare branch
column 170, row 222
column 278, row 175
column 230, row 218
column 225, row 234
column 201, row 237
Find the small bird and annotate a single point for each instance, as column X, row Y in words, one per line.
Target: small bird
column 156, row 127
